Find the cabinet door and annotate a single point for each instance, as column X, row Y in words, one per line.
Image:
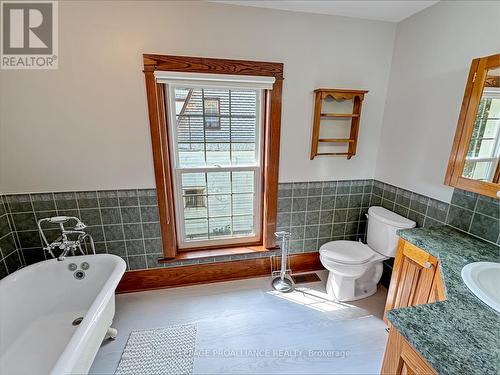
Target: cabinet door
column 412, row 277
column 401, row 358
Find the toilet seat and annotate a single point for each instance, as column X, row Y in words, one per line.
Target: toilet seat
column 348, row 252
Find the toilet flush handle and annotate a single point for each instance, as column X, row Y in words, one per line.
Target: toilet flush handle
column 427, row 265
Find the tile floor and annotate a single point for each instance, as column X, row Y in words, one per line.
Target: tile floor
column 244, row 327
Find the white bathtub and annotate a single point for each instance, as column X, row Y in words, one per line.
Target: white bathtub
column 38, row 304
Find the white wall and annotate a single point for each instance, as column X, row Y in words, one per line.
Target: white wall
column 85, row 126
column 432, row 56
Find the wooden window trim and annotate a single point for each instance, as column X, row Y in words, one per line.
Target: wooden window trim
column 159, row 136
column 472, row 96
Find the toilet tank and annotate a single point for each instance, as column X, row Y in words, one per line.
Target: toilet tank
column 382, row 227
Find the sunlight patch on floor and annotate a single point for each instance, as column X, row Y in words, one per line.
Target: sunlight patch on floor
column 311, row 298
column 321, row 301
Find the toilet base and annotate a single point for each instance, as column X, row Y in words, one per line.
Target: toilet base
column 342, row 288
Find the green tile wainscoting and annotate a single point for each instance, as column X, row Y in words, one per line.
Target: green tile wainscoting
column 10, row 260
column 126, row 223
column 469, row 212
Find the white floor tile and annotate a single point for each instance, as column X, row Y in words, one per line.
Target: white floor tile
column 245, row 327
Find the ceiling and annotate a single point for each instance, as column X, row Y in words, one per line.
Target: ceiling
column 392, row 11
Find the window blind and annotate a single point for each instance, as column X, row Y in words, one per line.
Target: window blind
column 215, row 80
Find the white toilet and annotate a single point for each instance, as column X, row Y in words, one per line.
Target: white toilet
column 356, row 268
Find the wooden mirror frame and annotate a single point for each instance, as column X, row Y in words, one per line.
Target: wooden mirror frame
column 465, row 126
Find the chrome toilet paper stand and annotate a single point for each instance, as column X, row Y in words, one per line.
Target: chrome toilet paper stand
column 282, row 283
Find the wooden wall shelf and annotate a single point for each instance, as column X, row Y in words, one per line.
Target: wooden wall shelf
column 338, row 140
column 338, row 115
column 357, row 97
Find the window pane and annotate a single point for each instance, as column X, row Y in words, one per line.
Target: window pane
column 196, row 229
column 194, row 195
column 243, row 129
column 212, row 122
column 218, row 196
column 195, row 206
column 479, row 170
column 218, row 154
column 188, row 101
column 221, row 134
column 181, row 95
column 193, row 180
column 190, row 129
column 212, row 106
column 219, row 205
column 491, row 129
column 242, row 204
column 243, row 225
column 243, row 182
column 243, row 153
column 216, row 101
column 486, row 148
column 191, row 154
column 495, row 109
column 216, row 126
column 219, row 182
column 243, row 102
column 220, row 227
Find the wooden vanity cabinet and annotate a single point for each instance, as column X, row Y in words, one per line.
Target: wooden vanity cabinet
column 415, row 280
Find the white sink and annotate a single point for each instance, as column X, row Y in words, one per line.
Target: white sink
column 483, row 279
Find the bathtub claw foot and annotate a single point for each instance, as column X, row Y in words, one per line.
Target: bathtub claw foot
column 111, row 334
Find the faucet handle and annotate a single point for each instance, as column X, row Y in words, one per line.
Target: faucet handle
column 79, row 226
column 282, row 234
column 58, row 219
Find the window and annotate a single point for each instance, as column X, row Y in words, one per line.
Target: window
column 216, row 164
column 194, row 198
column 211, row 112
column 215, row 135
column 484, row 148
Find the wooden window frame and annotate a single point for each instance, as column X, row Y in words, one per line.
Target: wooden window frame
column 473, row 91
column 158, row 121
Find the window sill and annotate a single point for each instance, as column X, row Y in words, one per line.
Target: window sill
column 198, row 254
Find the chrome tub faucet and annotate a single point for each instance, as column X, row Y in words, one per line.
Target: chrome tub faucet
column 71, row 239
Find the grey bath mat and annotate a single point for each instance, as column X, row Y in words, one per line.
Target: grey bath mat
column 167, row 350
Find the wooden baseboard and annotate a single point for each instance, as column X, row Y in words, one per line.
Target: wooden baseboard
column 159, row 278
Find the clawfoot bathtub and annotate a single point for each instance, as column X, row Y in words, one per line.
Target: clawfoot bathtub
column 40, row 332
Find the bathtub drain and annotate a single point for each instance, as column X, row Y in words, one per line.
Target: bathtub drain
column 77, row 321
column 79, row 275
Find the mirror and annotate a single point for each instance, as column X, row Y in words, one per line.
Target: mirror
column 474, row 161
column 481, row 162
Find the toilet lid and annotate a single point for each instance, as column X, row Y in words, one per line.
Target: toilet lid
column 348, row 252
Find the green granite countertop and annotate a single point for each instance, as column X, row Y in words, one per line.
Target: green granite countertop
column 462, row 334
